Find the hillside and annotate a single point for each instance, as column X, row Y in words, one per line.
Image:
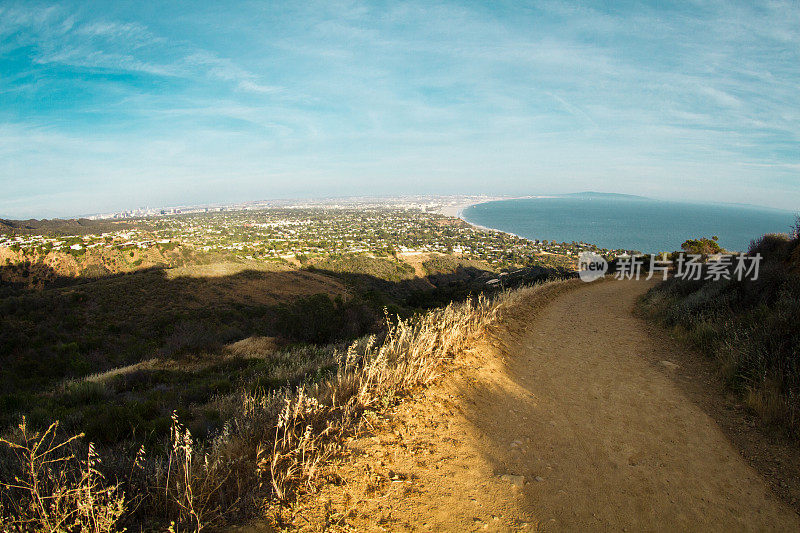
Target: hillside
column 168, row 328
column 572, row 415
column 264, row 414
column 52, row 267
column 58, row 226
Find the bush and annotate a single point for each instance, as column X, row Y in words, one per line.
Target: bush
column 189, row 336
column 773, row 247
column 320, row 319
column 702, row 246
column 52, row 491
column 83, row 393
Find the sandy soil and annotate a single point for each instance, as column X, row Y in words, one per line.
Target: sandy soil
column 571, row 417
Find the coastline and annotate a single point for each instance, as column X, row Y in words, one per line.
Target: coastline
column 461, row 208
column 456, row 209
column 461, row 203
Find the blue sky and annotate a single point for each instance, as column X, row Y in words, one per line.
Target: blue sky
column 107, row 106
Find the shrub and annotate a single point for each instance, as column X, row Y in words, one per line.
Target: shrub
column 84, row 392
column 702, row 246
column 320, row 319
column 188, row 336
column 772, row 247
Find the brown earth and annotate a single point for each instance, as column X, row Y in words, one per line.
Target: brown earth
column 573, row 415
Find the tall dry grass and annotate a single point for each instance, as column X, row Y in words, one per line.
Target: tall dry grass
column 55, row 491
column 272, row 448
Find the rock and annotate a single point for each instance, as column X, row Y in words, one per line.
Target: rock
column 517, row 481
column 670, row 365
column 538, row 479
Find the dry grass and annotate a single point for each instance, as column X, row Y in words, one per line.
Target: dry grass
column 255, row 347
column 273, row 445
column 53, row 490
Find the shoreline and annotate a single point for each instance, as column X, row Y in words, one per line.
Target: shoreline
column 461, row 208
column 456, row 209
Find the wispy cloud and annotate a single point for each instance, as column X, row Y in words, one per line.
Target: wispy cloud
column 327, row 97
column 56, row 36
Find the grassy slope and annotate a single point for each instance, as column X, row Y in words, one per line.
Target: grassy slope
column 273, row 440
column 159, row 336
column 112, row 357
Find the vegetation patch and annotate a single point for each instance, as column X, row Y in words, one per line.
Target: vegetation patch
column 379, row 268
column 270, row 446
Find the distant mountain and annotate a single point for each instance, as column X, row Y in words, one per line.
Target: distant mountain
column 604, row 195
column 72, row 226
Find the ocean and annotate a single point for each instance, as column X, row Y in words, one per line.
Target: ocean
column 640, row 224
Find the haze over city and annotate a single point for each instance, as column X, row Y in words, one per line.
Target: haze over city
column 117, row 105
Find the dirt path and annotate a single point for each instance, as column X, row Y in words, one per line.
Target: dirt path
column 616, row 441
column 568, row 421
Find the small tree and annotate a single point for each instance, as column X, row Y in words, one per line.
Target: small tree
column 702, row 246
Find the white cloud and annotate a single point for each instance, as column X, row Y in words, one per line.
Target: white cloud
column 350, row 89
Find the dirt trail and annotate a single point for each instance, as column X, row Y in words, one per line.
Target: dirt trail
column 577, row 401
column 617, row 443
